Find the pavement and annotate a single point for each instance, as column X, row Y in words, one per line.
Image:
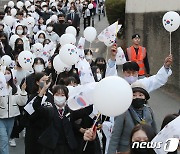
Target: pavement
column 162, row 103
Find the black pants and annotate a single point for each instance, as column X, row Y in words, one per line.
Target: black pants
column 87, row 22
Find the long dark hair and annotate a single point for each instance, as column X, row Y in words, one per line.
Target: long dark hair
column 168, row 119
column 6, row 38
column 37, row 77
column 149, row 131
column 11, row 82
column 16, row 43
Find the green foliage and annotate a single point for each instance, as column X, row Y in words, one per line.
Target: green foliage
column 115, row 10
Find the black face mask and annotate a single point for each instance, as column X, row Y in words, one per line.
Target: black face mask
column 138, row 150
column 61, row 21
column 20, row 47
column 3, row 41
column 102, row 67
column 138, row 103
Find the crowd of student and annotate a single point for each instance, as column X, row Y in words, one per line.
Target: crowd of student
column 52, row 127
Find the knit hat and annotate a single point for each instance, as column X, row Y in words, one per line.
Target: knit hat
column 139, row 87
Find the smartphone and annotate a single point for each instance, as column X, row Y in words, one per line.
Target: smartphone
column 49, row 78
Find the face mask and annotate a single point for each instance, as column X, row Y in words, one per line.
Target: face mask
column 61, row 21
column 138, row 103
column 131, row 79
column 99, row 76
column 41, row 40
column 41, row 84
column 20, row 47
column 44, row 9
column 72, row 11
column 38, row 68
column 140, row 150
column 19, row 32
column 101, row 66
column 88, row 57
column 60, row 100
column 7, row 77
column 49, row 29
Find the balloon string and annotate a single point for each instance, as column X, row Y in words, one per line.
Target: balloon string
column 56, row 78
column 170, row 43
column 25, row 77
column 106, row 54
column 90, row 46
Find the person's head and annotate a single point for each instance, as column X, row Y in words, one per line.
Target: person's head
column 60, row 93
column 88, row 55
column 140, row 95
column 72, row 9
column 96, row 73
column 101, row 63
column 141, row 133
column 136, row 39
column 19, row 30
column 61, row 18
column 41, row 20
column 44, row 7
column 39, row 79
column 71, row 81
column 1, row 27
column 53, row 8
column 49, row 28
column 2, row 15
column 168, row 119
column 4, row 39
column 19, row 45
column 38, row 65
column 130, row 72
column 41, row 38
column 19, row 15
column 9, row 79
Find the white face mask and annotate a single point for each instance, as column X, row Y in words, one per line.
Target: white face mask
column 72, row 11
column 99, row 76
column 60, row 100
column 88, row 57
column 41, row 40
column 38, row 68
column 44, row 9
column 131, row 79
column 19, row 32
column 7, row 77
column 49, row 29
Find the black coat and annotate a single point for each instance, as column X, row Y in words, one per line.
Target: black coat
column 35, row 125
column 58, row 132
column 60, row 28
column 75, row 21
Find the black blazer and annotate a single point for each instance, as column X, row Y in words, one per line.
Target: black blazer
column 50, row 137
column 75, row 21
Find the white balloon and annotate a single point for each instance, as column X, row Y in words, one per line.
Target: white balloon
column 112, row 96
column 19, row 4
column 171, row 21
column 11, row 4
column 54, row 18
column 27, row 4
column 71, row 30
column 6, row 60
column 13, row 40
column 120, row 57
column 67, row 39
column 48, row 21
column 59, row 66
column 5, row 7
column 68, row 54
column 9, row 20
column 90, row 6
column 13, row 12
column 90, row 34
column 33, row 8
column 37, row 48
column 26, row 60
column 30, row 22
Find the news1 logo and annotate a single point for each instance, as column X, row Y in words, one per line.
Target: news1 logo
column 171, row 144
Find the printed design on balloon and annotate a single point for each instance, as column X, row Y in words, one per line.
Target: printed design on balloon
column 72, row 51
column 80, row 101
column 167, row 22
column 27, row 60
